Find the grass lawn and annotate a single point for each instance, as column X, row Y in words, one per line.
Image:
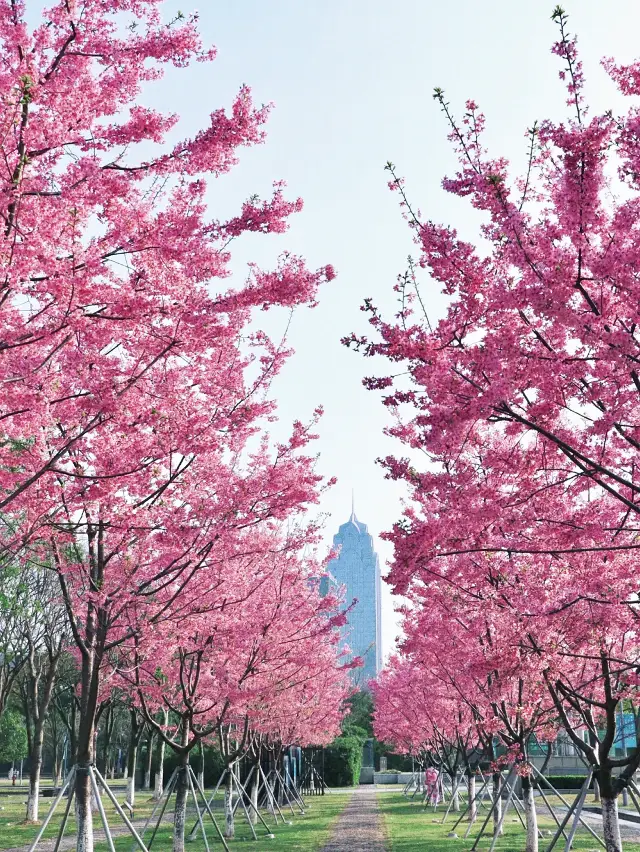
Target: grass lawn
column 409, row 828
column 14, row 832
column 307, row 832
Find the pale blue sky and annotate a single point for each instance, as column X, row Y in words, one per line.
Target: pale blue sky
column 352, row 85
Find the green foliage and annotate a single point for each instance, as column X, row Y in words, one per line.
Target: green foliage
column 359, row 723
column 565, row 782
column 343, row 758
column 360, row 715
column 13, row 737
column 343, row 761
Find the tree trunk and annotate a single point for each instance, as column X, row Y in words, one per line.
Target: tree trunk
column 596, row 790
column 255, row 784
column 229, row 822
column 455, row 792
column 182, row 791
column 35, row 767
column 609, row 807
column 55, row 770
column 108, row 730
column 201, row 770
column 159, row 780
column 84, row 816
column 471, row 792
column 85, row 744
column 530, row 814
column 611, row 824
column 180, row 813
column 132, row 756
column 149, row 759
column 497, row 801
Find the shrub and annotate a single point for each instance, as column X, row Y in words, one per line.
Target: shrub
column 566, row 782
column 343, row 761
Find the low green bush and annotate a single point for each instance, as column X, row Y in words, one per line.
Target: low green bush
column 343, row 761
column 566, row 782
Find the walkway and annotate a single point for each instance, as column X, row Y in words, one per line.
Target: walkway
column 359, row 827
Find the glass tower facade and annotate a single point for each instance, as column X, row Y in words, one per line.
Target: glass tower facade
column 358, row 570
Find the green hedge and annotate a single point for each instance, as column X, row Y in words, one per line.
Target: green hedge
column 343, row 761
column 566, row 782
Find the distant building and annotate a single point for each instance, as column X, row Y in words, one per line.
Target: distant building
column 358, row 570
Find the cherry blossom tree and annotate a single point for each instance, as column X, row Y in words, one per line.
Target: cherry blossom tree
column 257, row 656
column 524, row 400
column 136, row 384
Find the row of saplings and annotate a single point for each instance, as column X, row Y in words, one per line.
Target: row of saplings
column 259, row 780
column 480, row 787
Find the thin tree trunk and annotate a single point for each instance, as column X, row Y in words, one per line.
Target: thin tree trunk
column 255, row 784
column 35, row 768
column 159, row 780
column 40, row 693
column 497, row 802
column 229, row 822
column 530, row 814
column 108, row 730
column 55, row 770
column 180, row 813
column 84, row 816
column 455, row 792
column 182, row 788
column 85, row 752
column 201, row 770
column 471, row 792
column 148, row 761
column 132, row 757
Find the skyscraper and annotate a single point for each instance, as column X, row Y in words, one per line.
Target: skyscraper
column 358, row 570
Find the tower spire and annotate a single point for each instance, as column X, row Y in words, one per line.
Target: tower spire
column 353, row 505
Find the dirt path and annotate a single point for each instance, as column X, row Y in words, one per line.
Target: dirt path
column 359, row 827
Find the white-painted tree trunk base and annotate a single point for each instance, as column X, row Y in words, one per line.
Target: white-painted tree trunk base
column 497, row 806
column 32, row 801
column 131, row 790
column 84, row 825
column 180, row 813
column 611, row 825
column 158, row 788
column 531, row 818
column 229, row 820
column 471, row 792
column 253, row 813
